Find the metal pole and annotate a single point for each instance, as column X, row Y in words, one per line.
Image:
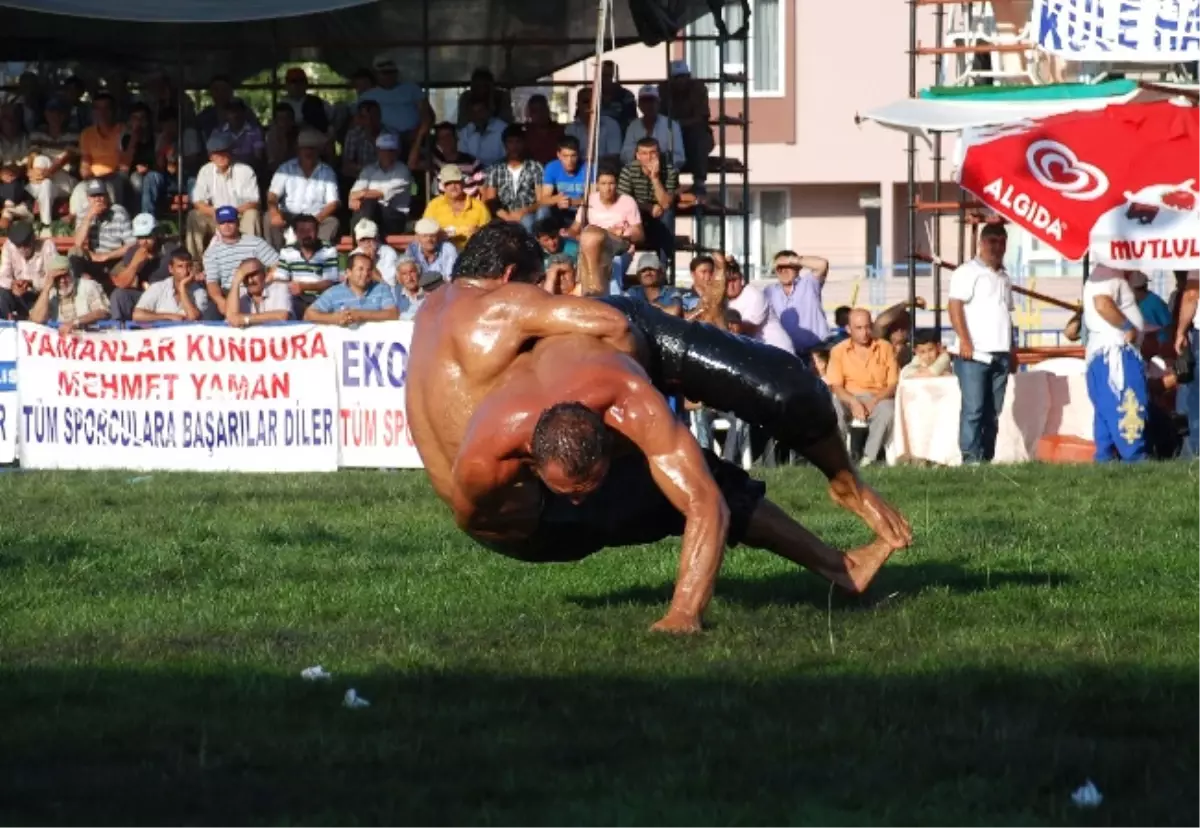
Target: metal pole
column 746, row 145
column 594, row 115
column 912, row 176
column 426, row 141
column 722, row 186
column 939, row 39
column 179, row 130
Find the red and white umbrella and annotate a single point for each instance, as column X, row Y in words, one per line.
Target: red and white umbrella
column 1121, row 182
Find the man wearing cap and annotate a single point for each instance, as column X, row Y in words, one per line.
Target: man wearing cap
column 176, row 298
column 222, row 182
column 71, row 302
column 102, row 235
column 54, row 154
column 652, row 287
column 226, row 252
column 23, row 263
column 514, row 186
column 258, row 301
column 147, row 262
column 430, row 251
column 366, row 239
column 305, row 185
column 360, row 149
column 308, row 265
column 685, row 101
column 458, row 214
column 483, row 136
column 412, row 286
column 384, row 189
column 402, row 102
column 358, row 299
column 653, row 125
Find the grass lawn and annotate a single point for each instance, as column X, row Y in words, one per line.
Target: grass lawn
column 1042, row 631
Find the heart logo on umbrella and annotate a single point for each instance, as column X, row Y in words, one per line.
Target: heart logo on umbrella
column 1057, row 168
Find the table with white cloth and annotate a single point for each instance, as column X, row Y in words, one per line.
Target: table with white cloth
column 1048, row 399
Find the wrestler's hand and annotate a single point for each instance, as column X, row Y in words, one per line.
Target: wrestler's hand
column 678, row 623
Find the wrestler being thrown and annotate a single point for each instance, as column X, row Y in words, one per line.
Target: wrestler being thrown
column 541, row 420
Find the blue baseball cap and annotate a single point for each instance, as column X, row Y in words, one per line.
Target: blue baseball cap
column 227, row 213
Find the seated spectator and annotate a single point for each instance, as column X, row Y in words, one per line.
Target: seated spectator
column 146, row 262
column 929, row 358
column 102, row 235
column 309, row 266
column 258, row 301
column 542, row 134
column 863, row 376
column 402, row 102
column 177, row 298
column 100, row 155
column 702, row 269
column 215, row 116
column 79, row 114
column 608, row 148
column 430, row 251
column 514, row 186
column 841, row 321
column 483, row 135
column 498, row 102
column 411, row 286
column 227, row 250
column 163, row 181
column 892, row 325
column 16, row 202
column 445, row 151
column 282, row 136
column 615, row 100
column 138, row 157
column 663, row 130
column 549, row 235
column 604, row 259
column 366, row 239
column 308, row 109
column 360, row 149
column 23, row 264
column 222, row 182
column 54, row 159
column 383, row 190
column 652, row 285
column 358, row 299
column 685, row 101
column 653, row 183
column 565, row 182
column 306, row 185
column 458, row 214
column 560, row 276
column 756, row 320
column 249, row 143
column 71, row 302
column 1155, row 312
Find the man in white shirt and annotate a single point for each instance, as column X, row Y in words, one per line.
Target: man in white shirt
column 306, row 185
column 1187, row 336
column 609, row 139
column 222, row 182
column 384, row 189
column 656, row 126
column 981, row 313
column 483, row 137
column 178, row 298
column 1116, row 375
column 758, row 320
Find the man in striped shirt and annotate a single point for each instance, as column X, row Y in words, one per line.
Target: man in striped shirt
column 102, row 236
column 228, row 249
column 309, row 266
column 653, row 182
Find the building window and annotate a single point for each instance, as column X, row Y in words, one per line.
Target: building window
column 769, row 213
column 765, row 60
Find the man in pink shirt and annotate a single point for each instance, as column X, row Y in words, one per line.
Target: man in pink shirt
column 608, row 227
column 23, row 263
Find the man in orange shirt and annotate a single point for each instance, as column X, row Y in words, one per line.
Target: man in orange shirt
column 863, row 374
column 100, row 152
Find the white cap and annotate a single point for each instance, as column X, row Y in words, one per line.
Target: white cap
column 366, row 229
column 310, row 138
column 647, row 261
column 426, row 227
column 679, row 67
column 648, row 91
column 144, row 225
column 387, row 141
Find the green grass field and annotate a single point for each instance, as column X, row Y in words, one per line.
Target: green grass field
column 1042, row 630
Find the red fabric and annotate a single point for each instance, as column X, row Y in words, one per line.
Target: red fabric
column 1058, row 176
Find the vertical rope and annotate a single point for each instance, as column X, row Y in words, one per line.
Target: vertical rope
column 594, row 125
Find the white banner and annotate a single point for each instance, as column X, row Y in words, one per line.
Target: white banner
column 188, row 398
column 9, row 419
column 1119, row 31
column 372, row 364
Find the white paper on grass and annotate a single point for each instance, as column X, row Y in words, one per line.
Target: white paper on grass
column 1087, row 795
column 354, row 701
column 317, row 673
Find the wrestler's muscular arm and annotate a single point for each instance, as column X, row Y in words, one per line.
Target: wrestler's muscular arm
column 678, row 466
column 536, row 314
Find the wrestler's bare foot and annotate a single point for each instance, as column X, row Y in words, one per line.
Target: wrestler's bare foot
column 863, row 564
column 677, row 623
column 885, row 521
